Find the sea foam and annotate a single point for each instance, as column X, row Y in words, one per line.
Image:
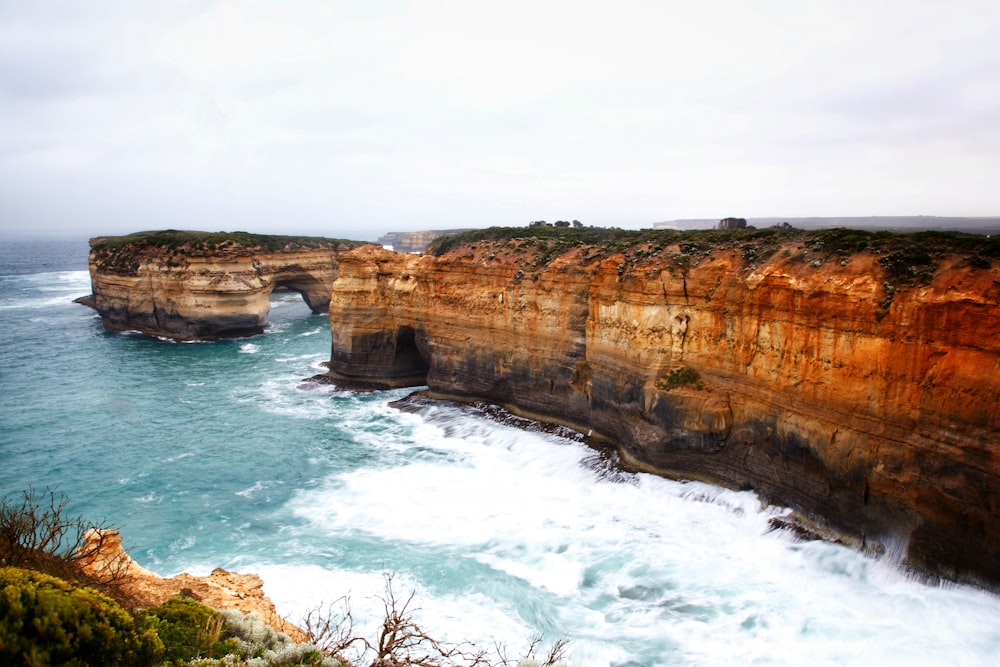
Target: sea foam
column 628, row 571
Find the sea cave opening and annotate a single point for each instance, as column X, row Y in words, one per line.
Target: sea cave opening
column 408, row 361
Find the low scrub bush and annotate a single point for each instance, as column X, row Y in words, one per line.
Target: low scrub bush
column 259, row 644
column 912, row 256
column 188, row 629
column 48, row 621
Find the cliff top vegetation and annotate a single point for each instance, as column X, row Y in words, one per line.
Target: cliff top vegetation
column 837, row 240
column 197, row 241
column 911, row 256
column 122, row 254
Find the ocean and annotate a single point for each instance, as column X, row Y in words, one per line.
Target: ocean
column 217, row 454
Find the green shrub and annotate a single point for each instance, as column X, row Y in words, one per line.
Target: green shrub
column 564, row 237
column 188, row 629
column 680, row 377
column 193, row 633
column 48, row 621
column 913, row 264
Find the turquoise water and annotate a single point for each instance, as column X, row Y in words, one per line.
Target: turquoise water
column 217, row 455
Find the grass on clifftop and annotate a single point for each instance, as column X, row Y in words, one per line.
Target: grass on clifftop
column 838, row 240
column 567, row 235
column 205, row 241
column 122, row 254
column 905, row 256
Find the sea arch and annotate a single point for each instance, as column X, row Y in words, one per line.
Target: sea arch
column 315, row 291
column 201, row 286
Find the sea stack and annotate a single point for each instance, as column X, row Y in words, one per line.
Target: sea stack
column 205, row 286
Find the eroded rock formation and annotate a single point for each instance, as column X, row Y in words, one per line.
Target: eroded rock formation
column 220, row 590
column 859, row 386
column 196, row 286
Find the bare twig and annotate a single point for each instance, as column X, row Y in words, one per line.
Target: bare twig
column 402, row 642
column 332, row 631
column 36, row 533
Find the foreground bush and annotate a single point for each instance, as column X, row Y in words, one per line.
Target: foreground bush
column 193, row 633
column 261, row 645
column 48, row 621
column 188, row 629
column 36, row 533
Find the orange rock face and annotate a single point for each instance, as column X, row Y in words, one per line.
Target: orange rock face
column 204, row 295
column 863, row 394
column 220, row 589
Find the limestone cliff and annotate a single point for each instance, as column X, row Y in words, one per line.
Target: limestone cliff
column 415, row 241
column 854, row 377
column 196, row 285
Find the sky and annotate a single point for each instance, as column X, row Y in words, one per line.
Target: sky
column 352, row 119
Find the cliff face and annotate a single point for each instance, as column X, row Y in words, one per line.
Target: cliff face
column 860, row 388
column 415, row 241
column 191, row 291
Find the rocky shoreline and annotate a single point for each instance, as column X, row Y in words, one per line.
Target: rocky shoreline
column 220, row 589
column 607, row 462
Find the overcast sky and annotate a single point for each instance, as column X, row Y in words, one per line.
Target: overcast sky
column 356, row 118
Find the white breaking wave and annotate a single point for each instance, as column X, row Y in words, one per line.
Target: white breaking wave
column 256, row 489
column 59, row 289
column 652, row 571
column 57, row 280
column 301, row 357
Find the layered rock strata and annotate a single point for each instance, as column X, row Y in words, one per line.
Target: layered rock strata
column 198, row 291
column 859, row 387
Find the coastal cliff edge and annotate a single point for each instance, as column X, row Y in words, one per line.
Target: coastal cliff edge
column 850, row 376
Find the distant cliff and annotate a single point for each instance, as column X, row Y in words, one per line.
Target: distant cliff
column 200, row 285
column 414, row 241
column 852, row 376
